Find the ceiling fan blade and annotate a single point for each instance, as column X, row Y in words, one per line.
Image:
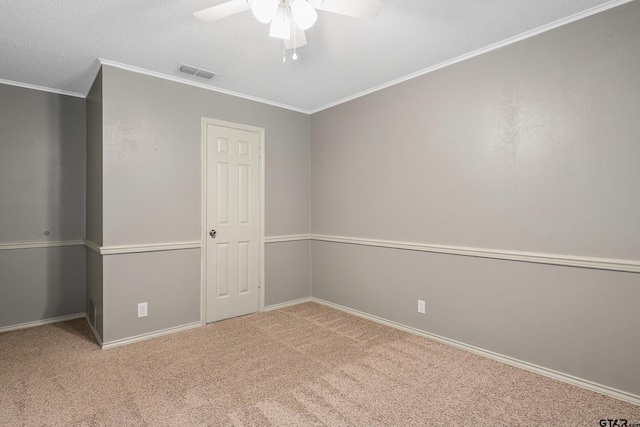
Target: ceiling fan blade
column 222, row 10
column 363, row 9
column 299, row 37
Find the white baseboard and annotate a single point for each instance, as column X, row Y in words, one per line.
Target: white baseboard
column 42, row 322
column 142, row 337
column 570, row 379
column 287, row 304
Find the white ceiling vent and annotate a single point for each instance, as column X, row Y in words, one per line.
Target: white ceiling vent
column 195, row 72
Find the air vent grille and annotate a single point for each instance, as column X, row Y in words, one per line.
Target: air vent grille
column 188, row 70
column 196, row 72
column 92, row 312
column 205, row 74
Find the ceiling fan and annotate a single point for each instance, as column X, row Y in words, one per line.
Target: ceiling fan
column 289, row 18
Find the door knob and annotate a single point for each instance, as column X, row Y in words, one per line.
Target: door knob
column 213, row 233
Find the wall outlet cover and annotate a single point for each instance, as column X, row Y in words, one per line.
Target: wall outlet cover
column 142, row 309
column 421, row 306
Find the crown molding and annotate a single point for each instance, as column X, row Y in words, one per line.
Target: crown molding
column 95, row 69
column 42, row 88
column 199, row 85
column 101, row 61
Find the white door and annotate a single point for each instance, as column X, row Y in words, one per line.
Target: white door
column 233, row 219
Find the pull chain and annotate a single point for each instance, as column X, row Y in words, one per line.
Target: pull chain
column 295, row 54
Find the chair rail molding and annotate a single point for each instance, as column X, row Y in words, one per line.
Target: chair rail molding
column 288, row 238
column 625, row 265
column 151, row 247
column 42, row 244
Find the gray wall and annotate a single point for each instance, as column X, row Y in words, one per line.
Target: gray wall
column 573, row 320
column 94, row 162
column 151, row 194
column 165, row 280
column 42, row 187
column 532, row 147
column 41, row 283
column 94, row 268
column 95, row 289
column 287, row 267
column 152, row 158
column 42, row 165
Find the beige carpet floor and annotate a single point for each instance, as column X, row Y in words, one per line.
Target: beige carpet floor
column 304, row 365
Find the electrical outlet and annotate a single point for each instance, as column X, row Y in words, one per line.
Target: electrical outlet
column 421, row 307
column 142, row 309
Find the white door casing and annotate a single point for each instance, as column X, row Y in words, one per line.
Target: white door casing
column 233, row 206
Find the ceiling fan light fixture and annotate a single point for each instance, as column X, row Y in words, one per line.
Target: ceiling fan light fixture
column 281, row 24
column 264, row 10
column 289, row 18
column 303, row 14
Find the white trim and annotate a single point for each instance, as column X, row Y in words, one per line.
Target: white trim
column 263, row 191
column 93, row 246
column 43, row 322
column 41, row 88
column 154, row 247
column 33, row 245
column 291, row 238
column 200, row 85
column 203, row 222
column 130, row 249
column 498, row 45
column 203, row 213
column 143, row 337
column 570, row 379
column 625, row 265
column 631, row 266
column 287, row 304
column 93, row 73
column 96, row 335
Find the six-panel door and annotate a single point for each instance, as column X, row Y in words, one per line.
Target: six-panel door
column 233, row 212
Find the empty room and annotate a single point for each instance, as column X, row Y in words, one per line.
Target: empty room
column 319, row 212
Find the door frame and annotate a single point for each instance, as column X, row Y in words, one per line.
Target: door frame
column 203, row 210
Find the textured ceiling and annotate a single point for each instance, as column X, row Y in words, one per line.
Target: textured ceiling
column 55, row 43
